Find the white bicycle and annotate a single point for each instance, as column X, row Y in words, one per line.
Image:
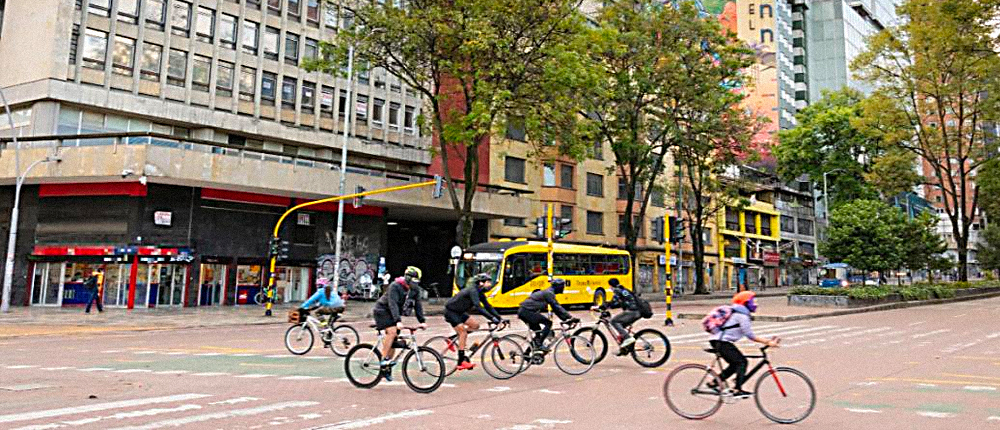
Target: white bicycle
column 300, row 337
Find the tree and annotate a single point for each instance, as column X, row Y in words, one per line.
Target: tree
column 919, row 243
column 865, row 235
column 893, row 173
column 988, row 248
column 828, row 139
column 937, row 88
column 478, row 64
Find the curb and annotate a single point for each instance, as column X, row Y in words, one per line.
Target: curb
column 876, row 308
column 712, row 297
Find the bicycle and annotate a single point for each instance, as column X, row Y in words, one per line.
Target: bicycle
column 505, row 354
column 578, row 347
column 645, row 350
column 339, row 338
column 364, row 370
column 782, row 396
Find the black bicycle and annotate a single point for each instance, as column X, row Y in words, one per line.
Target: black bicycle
column 784, row 395
column 651, row 347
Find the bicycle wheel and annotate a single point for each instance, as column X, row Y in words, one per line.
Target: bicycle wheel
column 525, row 346
column 423, row 370
column 447, row 348
column 502, row 358
column 299, row 339
column 597, row 339
column 785, row 395
column 687, row 394
column 344, row 338
column 651, row 348
column 580, row 352
column 362, row 366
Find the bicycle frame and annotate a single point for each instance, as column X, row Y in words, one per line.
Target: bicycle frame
column 605, row 321
column 491, row 334
column 411, row 340
column 764, row 361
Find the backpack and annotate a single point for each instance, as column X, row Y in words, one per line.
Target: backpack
column 645, row 310
column 715, row 319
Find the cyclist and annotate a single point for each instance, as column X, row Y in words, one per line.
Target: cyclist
column 388, row 313
column 531, row 309
column 625, row 300
column 724, row 342
column 456, row 313
column 324, row 301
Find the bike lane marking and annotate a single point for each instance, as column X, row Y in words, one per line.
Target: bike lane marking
column 373, row 421
column 50, row 413
column 194, row 419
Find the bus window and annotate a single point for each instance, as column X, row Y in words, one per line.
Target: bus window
column 522, row 268
column 571, row 264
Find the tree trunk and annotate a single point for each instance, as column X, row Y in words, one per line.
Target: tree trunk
column 699, row 265
column 963, row 258
column 463, row 231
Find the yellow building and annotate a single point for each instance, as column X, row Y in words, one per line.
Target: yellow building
column 750, row 238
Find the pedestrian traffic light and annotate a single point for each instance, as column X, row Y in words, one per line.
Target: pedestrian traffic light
column 659, row 230
column 358, row 201
column 438, row 187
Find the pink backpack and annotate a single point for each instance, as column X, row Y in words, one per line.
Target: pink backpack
column 715, row 319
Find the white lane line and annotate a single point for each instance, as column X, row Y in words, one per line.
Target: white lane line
column 549, row 391
column 917, row 323
column 22, row 366
column 863, row 411
column 209, row 354
column 318, row 357
column 959, row 315
column 255, row 375
column 927, row 385
column 170, row 372
column 498, row 389
column 930, row 333
column 176, row 353
column 368, row 422
column 209, row 374
column 145, row 352
column 118, row 416
column 932, row 414
column 993, row 418
column 978, row 388
column 234, row 401
column 111, row 351
column 538, row 424
column 58, row 368
column 244, row 355
column 278, row 356
column 187, row 421
column 34, row 415
column 133, row 371
column 299, row 378
column 95, row 369
column 960, row 346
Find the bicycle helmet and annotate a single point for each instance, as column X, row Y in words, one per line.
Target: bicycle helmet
column 322, row 281
column 558, row 285
column 745, row 298
column 481, row 278
column 412, row 275
column 613, row 282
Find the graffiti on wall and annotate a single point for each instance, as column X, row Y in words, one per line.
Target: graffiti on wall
column 358, row 264
column 645, row 277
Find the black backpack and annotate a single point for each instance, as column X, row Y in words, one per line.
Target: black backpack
column 645, row 310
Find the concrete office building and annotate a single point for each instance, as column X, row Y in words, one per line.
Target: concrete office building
column 226, row 131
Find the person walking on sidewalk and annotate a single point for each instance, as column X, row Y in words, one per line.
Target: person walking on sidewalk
column 94, row 286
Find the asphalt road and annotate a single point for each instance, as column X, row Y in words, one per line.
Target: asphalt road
column 925, row 367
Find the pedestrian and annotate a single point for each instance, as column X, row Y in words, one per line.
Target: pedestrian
column 94, row 287
column 763, row 282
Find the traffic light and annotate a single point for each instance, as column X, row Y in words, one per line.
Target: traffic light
column 358, row 201
column 676, row 230
column 278, row 248
column 659, row 230
column 563, row 227
column 438, row 187
column 540, row 226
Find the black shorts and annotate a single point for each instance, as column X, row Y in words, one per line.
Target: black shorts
column 383, row 319
column 455, row 318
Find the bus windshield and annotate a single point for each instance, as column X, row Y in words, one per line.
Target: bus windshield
column 470, row 268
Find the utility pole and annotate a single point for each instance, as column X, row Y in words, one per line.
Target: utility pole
column 343, row 170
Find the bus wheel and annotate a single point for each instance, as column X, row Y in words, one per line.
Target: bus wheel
column 599, row 297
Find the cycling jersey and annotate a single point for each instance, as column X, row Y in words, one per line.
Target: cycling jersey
column 393, row 301
column 319, row 298
column 536, row 303
column 471, row 298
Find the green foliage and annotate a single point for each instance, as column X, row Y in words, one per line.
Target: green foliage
column 919, row 243
column 988, row 181
column 917, row 291
column 988, row 249
column 892, row 173
column 864, row 234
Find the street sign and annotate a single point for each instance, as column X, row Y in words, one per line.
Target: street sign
column 162, row 218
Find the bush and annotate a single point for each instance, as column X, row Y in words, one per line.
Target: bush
column 868, row 293
column 915, row 293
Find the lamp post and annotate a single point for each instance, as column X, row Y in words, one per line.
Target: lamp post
column 8, row 274
column 343, row 170
column 826, row 198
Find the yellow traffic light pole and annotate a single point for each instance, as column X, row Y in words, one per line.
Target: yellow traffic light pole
column 668, row 288
column 277, row 226
column 548, row 236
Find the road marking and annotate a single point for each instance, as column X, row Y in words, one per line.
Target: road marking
column 927, row 385
column 255, row 375
column 821, row 333
column 186, row 421
column 931, row 381
column 209, row 374
column 177, row 353
column 959, row 375
column 368, row 422
column 234, row 401
column 837, row 336
column 933, row 414
column 538, row 424
column 549, row 391
column 318, row 357
column 703, row 337
column 58, row 368
column 930, row 333
column 145, row 352
column 278, row 356
column 95, row 369
column 866, row 384
column 22, row 366
column 959, row 315
column 111, row 351
column 133, row 371
column 917, row 323
column 498, row 389
column 863, row 411
column 209, row 354
column 993, row 418
column 979, row 388
column 118, row 416
column 34, row 415
column 170, row 372
column 244, row 355
column 299, row 378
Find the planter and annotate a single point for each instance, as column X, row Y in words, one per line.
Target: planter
column 839, row 301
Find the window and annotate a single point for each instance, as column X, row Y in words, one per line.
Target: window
column 100, row 7
column 732, row 219
column 308, row 96
column 566, row 212
column 268, row 81
column 342, row 103
column 595, row 185
column 597, row 151
column 271, row 36
column 123, row 56
column 378, row 106
column 326, row 101
column 293, row 9
column 74, row 43
column 330, row 17
column 733, row 247
column 514, row 169
column 312, row 11
column 787, row 224
column 549, row 175
column 291, row 48
column 622, row 188
column 361, row 108
column 227, row 31
column 205, row 28
column 656, row 198
column 408, row 120
column 515, row 130
column 807, row 249
column 514, row 222
column 95, row 47
column 311, row 51
column 128, row 11
column 393, row 116
column 805, row 226
column 177, row 68
column 156, row 11
column 348, row 18
column 201, row 72
column 274, row 6
column 250, row 37
column 363, row 76
column 750, row 222
column 180, row 20
column 595, row 222
column 288, row 92
column 248, row 83
column 566, row 176
column 224, row 79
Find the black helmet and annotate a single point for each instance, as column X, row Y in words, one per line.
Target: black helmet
column 558, row 285
column 613, row 282
column 482, row 277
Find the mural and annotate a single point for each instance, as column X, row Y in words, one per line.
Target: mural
column 359, row 261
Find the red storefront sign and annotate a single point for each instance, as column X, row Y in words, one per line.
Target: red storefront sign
column 771, row 258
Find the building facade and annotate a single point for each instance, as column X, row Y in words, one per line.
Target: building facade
column 795, row 204
column 211, row 128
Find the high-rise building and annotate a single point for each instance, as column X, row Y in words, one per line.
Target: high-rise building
column 210, row 128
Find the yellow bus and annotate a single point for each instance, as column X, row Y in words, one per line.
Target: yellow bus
column 523, row 266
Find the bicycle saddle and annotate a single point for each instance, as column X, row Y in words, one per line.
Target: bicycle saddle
column 710, row 350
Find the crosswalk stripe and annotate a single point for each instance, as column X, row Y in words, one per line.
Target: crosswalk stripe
column 22, row 366
column 702, row 334
column 368, row 422
column 170, row 372
column 118, row 416
column 186, row 421
column 930, row 333
column 133, row 371
column 837, row 336
column 34, row 415
column 761, row 335
column 820, row 333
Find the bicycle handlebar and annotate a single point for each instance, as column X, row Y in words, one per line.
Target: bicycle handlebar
column 499, row 327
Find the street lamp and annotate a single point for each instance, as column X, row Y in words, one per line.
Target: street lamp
column 826, row 199
column 8, row 274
